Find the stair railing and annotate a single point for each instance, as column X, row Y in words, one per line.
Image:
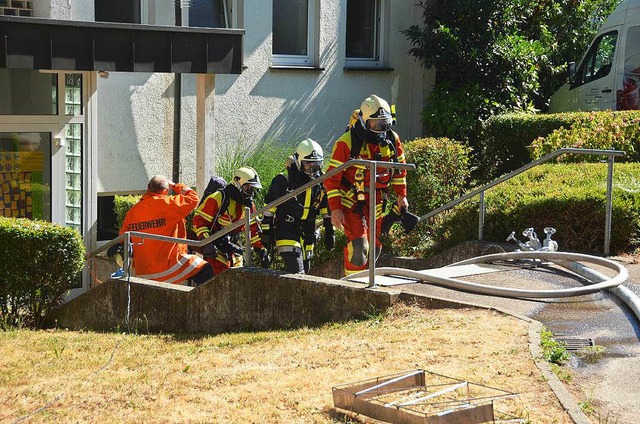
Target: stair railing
column 611, row 154
column 370, row 164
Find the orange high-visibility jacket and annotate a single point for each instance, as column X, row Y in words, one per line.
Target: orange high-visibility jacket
column 163, row 215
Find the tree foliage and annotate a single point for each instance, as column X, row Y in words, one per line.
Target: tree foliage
column 492, row 56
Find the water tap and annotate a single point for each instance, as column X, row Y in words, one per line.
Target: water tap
column 533, row 242
column 523, row 246
column 547, row 243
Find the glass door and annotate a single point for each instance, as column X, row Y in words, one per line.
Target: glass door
column 41, row 147
column 45, row 154
column 37, row 180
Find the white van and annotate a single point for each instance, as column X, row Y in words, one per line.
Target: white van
column 608, row 76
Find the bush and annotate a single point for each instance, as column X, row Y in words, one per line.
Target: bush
column 45, row 261
column 503, row 144
column 441, row 174
column 594, row 130
column 121, row 205
column 497, row 55
column 568, row 197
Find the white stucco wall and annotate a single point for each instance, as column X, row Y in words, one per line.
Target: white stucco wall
column 79, row 10
column 136, row 125
column 263, row 103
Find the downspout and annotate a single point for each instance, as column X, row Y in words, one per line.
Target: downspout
column 182, row 19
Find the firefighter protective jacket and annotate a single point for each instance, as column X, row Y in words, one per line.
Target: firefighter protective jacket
column 163, row 215
column 295, row 220
column 340, row 187
column 209, row 209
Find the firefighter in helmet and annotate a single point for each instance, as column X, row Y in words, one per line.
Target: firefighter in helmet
column 292, row 225
column 370, row 137
column 221, row 209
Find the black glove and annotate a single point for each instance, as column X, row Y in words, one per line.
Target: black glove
column 329, row 235
column 265, row 259
column 209, row 251
column 116, row 248
column 408, row 220
column 226, row 246
column 266, row 236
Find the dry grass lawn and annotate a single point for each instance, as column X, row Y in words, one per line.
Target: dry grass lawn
column 280, row 376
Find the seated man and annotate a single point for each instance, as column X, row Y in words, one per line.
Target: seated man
column 159, row 213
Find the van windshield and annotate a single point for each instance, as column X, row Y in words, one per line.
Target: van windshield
column 597, row 63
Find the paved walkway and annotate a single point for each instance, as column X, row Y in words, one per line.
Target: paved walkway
column 612, row 383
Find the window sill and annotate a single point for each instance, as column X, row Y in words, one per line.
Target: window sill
column 295, row 68
column 366, row 68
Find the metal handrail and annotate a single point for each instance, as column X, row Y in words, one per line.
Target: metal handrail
column 480, row 191
column 371, row 164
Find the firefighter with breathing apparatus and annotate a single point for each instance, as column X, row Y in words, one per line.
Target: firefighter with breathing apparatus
column 221, row 209
column 292, row 225
column 369, row 137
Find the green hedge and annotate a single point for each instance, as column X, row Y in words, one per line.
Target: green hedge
column 568, row 197
column 511, row 140
column 442, row 172
column 505, row 138
column 595, row 130
column 41, row 262
column 121, row 205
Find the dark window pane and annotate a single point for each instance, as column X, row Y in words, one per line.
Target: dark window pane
column 290, row 27
column 107, row 224
column 207, row 13
column 598, row 62
column 126, row 11
column 28, row 93
column 361, row 29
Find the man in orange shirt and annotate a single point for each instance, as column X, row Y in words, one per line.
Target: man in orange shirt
column 159, row 213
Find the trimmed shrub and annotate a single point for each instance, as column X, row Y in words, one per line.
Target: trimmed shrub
column 44, row 260
column 594, row 130
column 568, row 197
column 512, row 140
column 505, row 138
column 442, row 172
column 121, row 205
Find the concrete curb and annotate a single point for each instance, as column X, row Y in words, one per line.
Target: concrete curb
column 563, row 395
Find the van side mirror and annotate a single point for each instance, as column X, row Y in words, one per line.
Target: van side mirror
column 571, row 68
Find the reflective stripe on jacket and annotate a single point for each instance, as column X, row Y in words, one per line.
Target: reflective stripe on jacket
column 208, row 210
column 341, row 196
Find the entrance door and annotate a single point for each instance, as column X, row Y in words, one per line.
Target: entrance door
column 42, row 141
column 44, row 149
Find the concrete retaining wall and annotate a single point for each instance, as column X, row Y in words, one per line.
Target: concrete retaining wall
column 239, row 299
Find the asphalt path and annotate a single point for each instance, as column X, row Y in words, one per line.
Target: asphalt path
column 610, row 381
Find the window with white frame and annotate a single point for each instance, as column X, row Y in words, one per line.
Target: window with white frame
column 365, row 27
column 294, row 32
